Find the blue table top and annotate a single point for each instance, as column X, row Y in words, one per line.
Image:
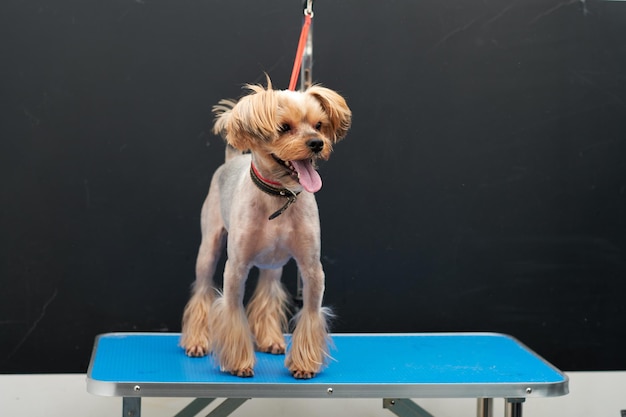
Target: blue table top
column 453, row 365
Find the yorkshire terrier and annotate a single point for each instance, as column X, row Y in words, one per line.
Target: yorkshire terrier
column 261, row 205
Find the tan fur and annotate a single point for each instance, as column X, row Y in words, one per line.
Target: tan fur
column 309, row 352
column 232, row 345
column 267, row 312
column 271, row 124
column 195, row 334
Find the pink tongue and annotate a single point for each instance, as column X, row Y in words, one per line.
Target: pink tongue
column 307, row 175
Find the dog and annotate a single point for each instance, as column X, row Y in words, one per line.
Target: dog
column 261, row 206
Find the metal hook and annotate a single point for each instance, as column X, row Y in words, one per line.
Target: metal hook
column 308, row 8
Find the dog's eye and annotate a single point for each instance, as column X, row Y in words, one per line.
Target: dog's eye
column 318, row 126
column 284, row 128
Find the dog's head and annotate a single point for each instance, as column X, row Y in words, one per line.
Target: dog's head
column 289, row 130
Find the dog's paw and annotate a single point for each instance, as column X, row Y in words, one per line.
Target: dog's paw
column 243, row 373
column 195, row 344
column 298, row 374
column 196, row 351
column 274, row 348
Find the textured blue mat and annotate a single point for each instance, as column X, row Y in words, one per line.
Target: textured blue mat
column 358, row 359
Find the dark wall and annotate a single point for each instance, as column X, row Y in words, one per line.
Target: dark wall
column 481, row 188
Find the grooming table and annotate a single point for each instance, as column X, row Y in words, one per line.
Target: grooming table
column 393, row 367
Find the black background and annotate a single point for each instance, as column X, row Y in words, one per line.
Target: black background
column 481, row 188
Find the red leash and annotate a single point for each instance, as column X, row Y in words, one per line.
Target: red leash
column 300, row 51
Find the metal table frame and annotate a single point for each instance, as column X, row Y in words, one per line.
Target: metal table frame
column 435, row 365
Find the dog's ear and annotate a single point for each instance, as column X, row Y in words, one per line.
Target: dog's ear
column 251, row 119
column 222, row 113
column 337, row 109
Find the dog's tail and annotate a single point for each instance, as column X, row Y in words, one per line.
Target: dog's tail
column 222, row 113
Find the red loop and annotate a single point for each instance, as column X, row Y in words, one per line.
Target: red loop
column 301, row 44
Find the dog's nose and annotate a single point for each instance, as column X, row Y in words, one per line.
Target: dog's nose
column 316, row 145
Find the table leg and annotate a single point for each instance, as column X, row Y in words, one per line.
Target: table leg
column 193, row 408
column 403, row 407
column 131, row 407
column 227, row 407
column 513, row 407
column 484, row 407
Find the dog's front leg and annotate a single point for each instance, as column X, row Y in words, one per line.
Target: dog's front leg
column 310, row 339
column 232, row 342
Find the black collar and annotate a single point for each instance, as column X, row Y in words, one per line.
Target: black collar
column 265, row 186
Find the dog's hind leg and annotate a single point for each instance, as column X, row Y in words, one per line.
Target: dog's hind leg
column 309, row 345
column 267, row 312
column 195, row 338
column 231, row 341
